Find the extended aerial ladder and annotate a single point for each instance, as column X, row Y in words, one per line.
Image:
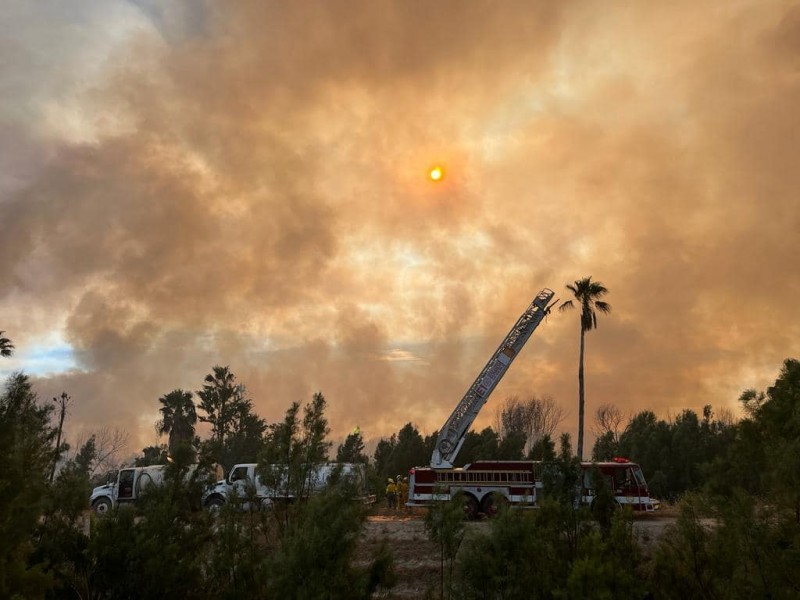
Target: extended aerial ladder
column 452, row 435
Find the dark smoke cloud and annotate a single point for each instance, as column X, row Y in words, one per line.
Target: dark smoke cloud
column 245, row 185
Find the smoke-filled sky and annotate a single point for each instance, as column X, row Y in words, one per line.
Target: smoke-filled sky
column 188, row 184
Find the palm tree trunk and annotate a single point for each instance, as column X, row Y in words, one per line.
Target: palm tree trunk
column 580, row 398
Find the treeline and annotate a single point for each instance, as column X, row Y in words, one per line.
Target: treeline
column 738, row 534
column 164, row 547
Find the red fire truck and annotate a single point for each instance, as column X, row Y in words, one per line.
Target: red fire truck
column 486, row 484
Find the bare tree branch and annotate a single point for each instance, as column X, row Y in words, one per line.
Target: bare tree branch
column 535, row 416
column 109, row 443
column 609, row 419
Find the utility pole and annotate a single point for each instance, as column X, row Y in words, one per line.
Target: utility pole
column 62, row 400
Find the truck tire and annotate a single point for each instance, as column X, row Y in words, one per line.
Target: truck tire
column 615, row 506
column 493, row 504
column 214, row 503
column 471, row 508
column 102, row 506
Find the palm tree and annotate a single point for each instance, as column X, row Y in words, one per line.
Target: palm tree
column 6, row 347
column 178, row 418
column 587, row 294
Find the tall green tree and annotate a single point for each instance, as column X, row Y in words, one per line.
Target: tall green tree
column 479, row 446
column 26, row 445
column 588, row 296
column 402, row 451
column 295, row 447
column 352, row 449
column 778, row 418
column 237, row 433
column 218, row 400
column 178, row 418
column 247, row 437
column 61, row 544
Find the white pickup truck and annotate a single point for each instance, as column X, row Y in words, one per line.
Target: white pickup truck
column 243, row 480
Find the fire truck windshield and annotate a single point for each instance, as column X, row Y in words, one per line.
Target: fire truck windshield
column 637, row 473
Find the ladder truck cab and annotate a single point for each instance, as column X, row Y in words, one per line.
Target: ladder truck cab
column 487, row 484
column 625, row 480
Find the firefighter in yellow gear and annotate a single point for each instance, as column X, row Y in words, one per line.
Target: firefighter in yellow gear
column 391, row 494
column 402, row 492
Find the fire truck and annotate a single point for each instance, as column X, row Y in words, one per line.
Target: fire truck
column 488, row 484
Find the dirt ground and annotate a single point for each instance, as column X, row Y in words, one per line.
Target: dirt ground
column 416, row 559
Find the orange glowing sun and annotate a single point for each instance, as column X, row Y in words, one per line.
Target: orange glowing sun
column 436, row 173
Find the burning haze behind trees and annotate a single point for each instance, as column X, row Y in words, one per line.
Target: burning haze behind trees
column 189, row 185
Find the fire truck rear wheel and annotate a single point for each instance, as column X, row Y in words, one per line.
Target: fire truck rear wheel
column 471, row 507
column 102, row 506
column 615, row 506
column 493, row 504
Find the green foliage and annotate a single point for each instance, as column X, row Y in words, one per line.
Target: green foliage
column 237, row 433
column 508, row 562
column 544, row 449
column 562, row 478
column 676, row 456
column 543, row 554
column 479, row 446
column 26, row 445
column 606, row 567
column 152, row 455
column 729, row 548
column 238, row 554
column 605, row 447
column 780, row 421
column 61, row 544
column 178, row 418
column 294, row 448
column 6, row 346
column 604, row 506
column 444, row 523
column 740, row 539
column 381, row 574
column 401, row 452
column 512, row 446
column 352, row 449
column 315, row 555
column 158, row 555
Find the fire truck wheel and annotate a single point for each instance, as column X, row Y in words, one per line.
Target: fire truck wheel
column 493, row 504
column 102, row 506
column 615, row 506
column 470, row 507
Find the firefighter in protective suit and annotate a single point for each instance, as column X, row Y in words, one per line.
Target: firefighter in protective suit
column 391, row 494
column 402, row 492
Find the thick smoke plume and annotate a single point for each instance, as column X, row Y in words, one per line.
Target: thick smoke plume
column 245, row 184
